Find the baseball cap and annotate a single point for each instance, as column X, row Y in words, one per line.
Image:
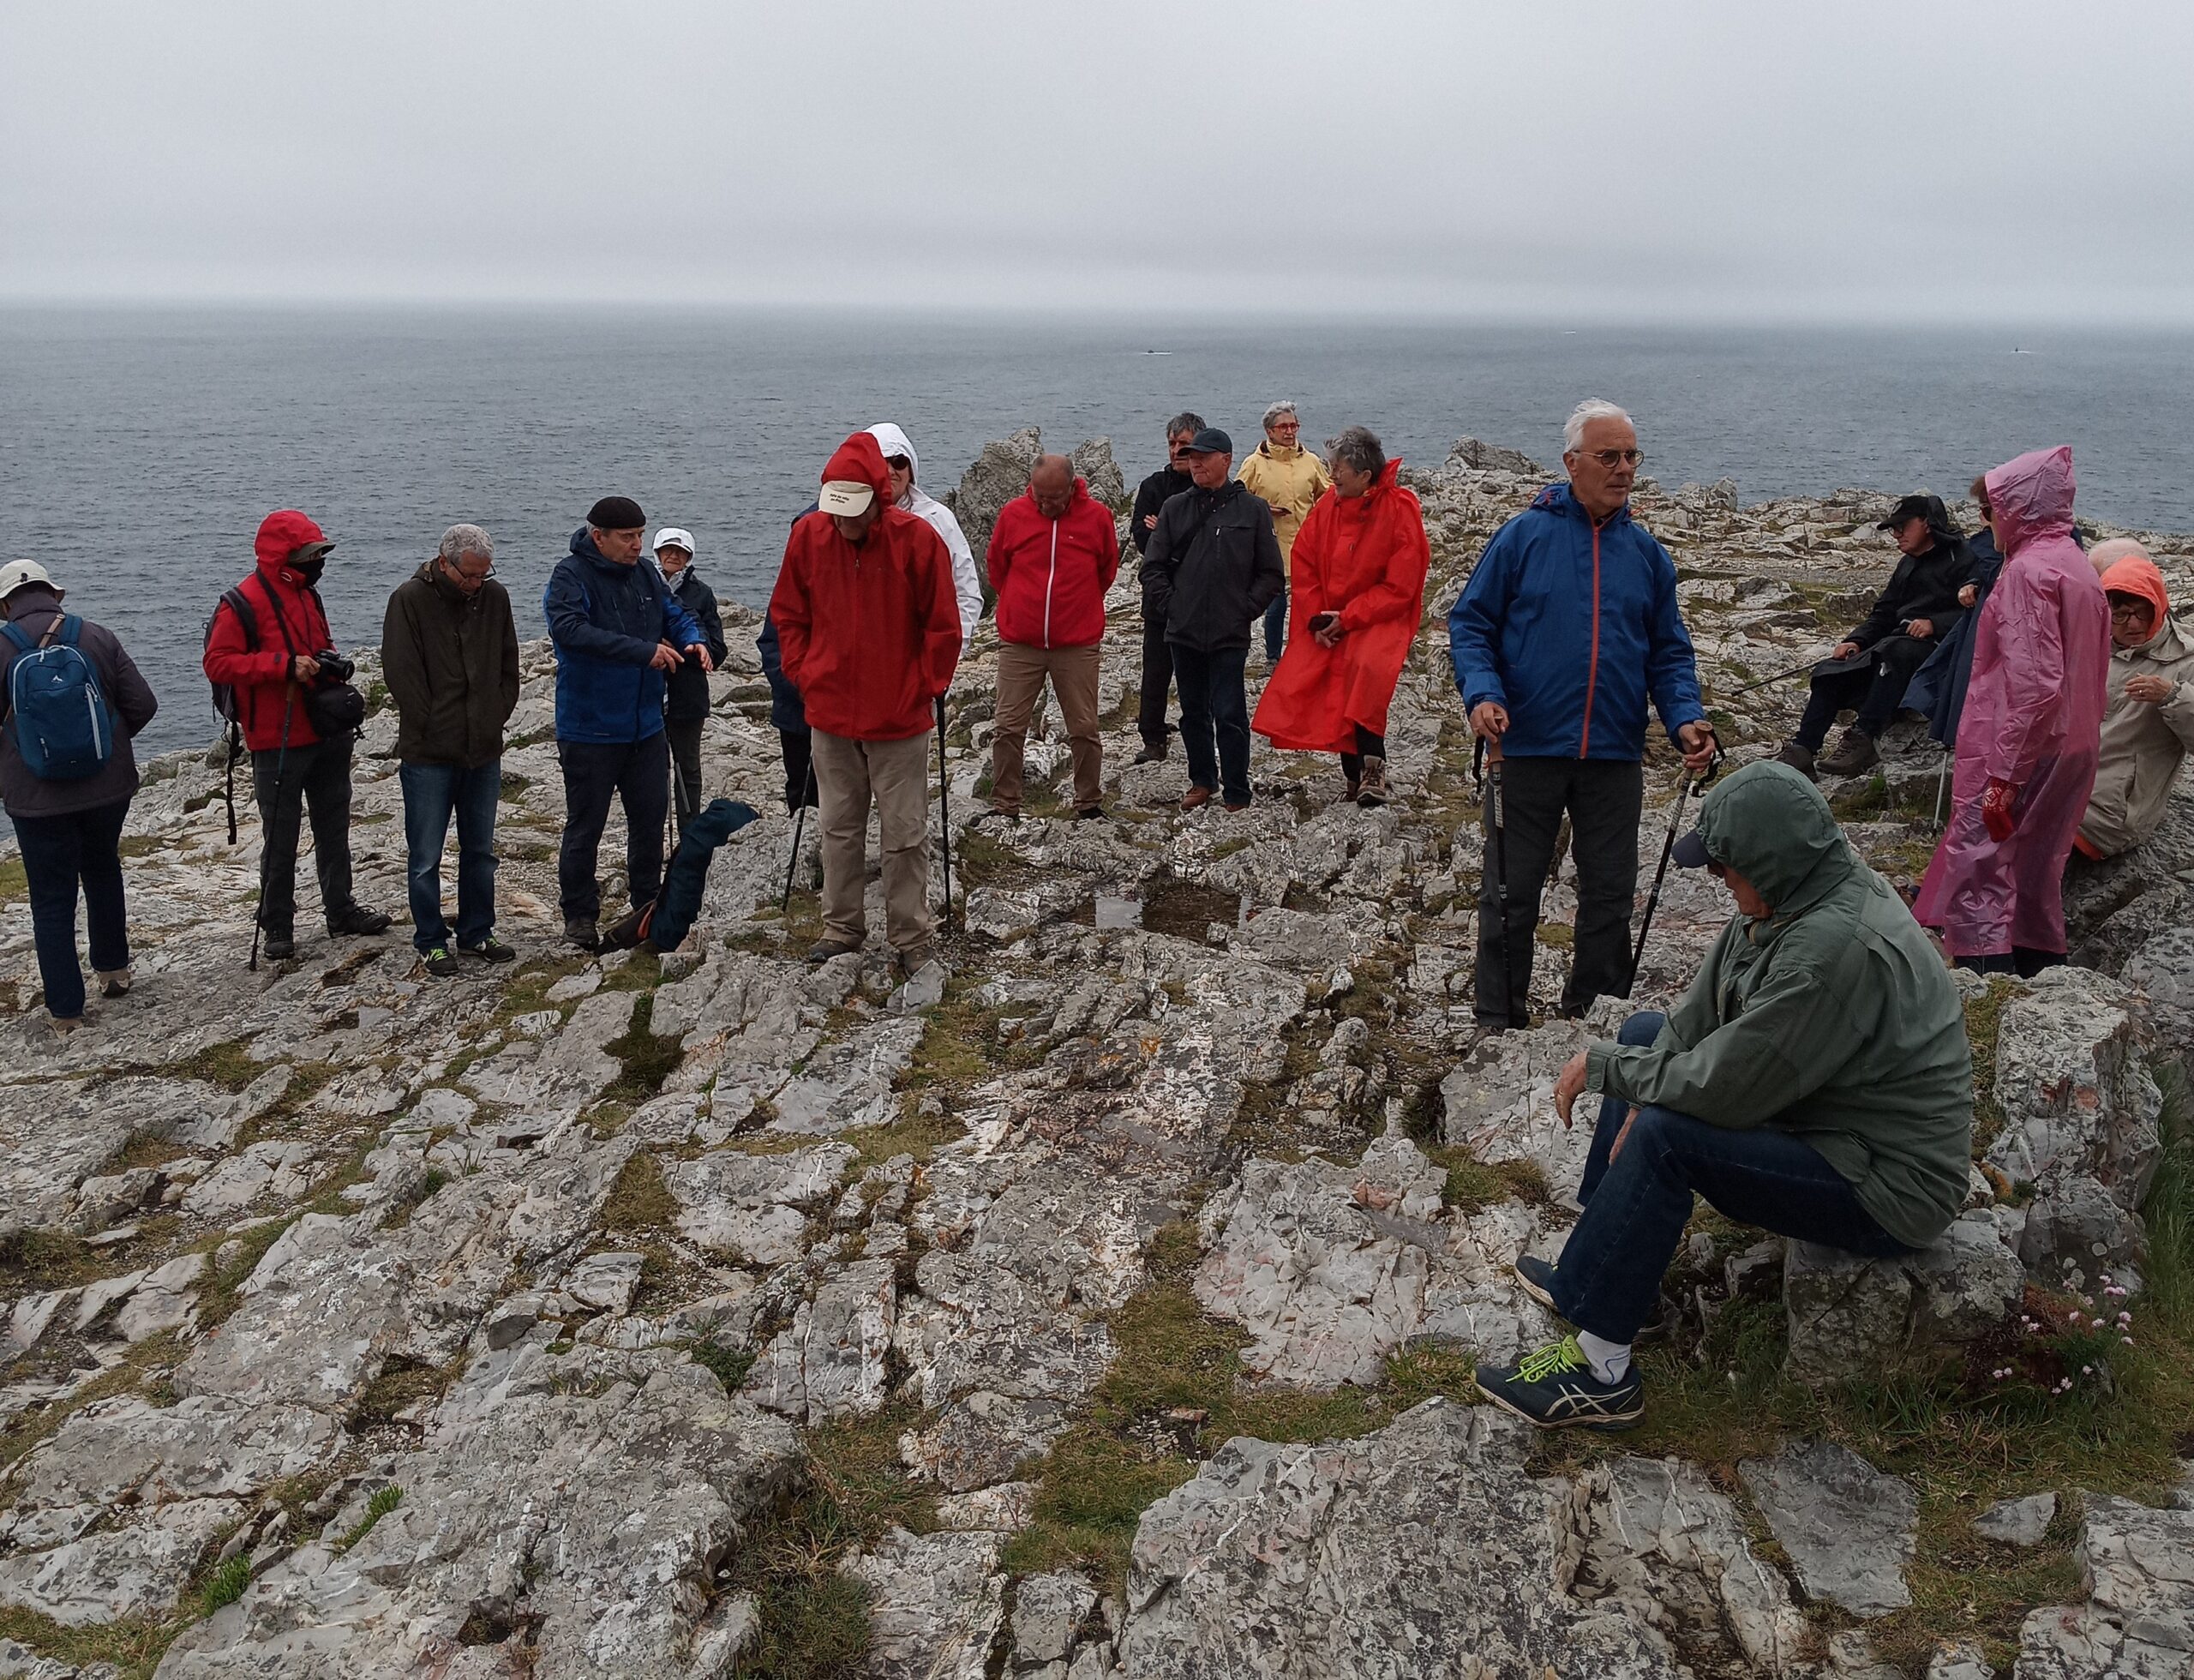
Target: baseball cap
column 1911, row 507
column 847, row 497
column 670, row 535
column 1211, row 441
column 17, row 572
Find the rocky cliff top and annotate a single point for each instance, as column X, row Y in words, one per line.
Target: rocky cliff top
column 1109, row 1309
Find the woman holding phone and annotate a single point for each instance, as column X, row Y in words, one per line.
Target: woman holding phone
column 1355, row 600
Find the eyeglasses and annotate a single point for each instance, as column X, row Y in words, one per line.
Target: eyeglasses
column 1287, row 425
column 458, row 575
column 1612, row 458
column 2131, row 613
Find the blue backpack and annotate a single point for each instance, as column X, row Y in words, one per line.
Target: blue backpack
column 64, row 728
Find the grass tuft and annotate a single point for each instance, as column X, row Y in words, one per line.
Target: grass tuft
column 384, row 1501
column 226, row 1584
column 1984, row 1019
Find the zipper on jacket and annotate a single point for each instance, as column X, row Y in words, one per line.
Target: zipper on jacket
column 1592, row 671
column 1049, row 580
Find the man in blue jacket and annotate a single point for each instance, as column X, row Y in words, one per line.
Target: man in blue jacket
column 1566, row 629
column 618, row 630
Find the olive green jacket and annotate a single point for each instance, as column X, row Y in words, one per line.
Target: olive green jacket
column 1832, row 1018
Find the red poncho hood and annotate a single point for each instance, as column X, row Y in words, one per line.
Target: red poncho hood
column 281, row 534
column 2136, row 576
column 860, row 458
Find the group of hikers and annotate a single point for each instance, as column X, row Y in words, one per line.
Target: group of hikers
column 1814, row 1080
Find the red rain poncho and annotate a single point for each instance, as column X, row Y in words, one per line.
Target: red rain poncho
column 2033, row 719
column 1365, row 558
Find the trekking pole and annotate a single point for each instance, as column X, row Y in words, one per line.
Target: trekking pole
column 799, row 821
column 281, row 757
column 1779, row 676
column 1691, row 782
column 944, row 811
column 1489, row 792
column 1942, row 775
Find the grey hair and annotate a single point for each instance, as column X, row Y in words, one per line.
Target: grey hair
column 1359, row 448
column 1183, row 422
column 2108, row 552
column 1592, row 408
column 460, row 540
column 1276, row 410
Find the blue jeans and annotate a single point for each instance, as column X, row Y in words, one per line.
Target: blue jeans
column 1214, row 706
column 431, row 793
column 60, row 854
column 1609, row 1279
column 1276, row 626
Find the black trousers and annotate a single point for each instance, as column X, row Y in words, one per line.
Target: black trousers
column 1604, row 798
column 685, row 737
column 1875, row 691
column 314, row 779
column 637, row 775
column 1157, row 679
column 799, row 772
column 1368, row 746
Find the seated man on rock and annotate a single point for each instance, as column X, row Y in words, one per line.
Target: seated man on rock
column 1917, row 609
column 1814, row 1081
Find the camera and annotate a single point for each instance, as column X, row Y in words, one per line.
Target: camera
column 333, row 666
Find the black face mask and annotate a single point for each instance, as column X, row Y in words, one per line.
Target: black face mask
column 309, row 570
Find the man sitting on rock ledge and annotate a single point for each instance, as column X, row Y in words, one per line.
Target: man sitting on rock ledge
column 1814, row 1081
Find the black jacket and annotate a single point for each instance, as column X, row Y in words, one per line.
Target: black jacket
column 35, row 608
column 1924, row 585
column 1154, row 492
column 689, row 683
column 1212, row 567
column 449, row 661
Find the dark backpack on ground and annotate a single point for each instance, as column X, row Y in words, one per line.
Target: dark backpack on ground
column 64, row 728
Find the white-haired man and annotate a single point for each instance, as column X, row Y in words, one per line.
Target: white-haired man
column 1565, row 632
column 1289, row 479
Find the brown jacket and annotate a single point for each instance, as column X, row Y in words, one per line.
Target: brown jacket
column 450, row 665
column 35, row 608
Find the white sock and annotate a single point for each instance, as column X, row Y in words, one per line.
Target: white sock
column 1610, row 1359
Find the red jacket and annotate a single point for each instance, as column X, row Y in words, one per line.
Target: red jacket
column 1365, row 558
column 1051, row 575
column 869, row 633
column 260, row 673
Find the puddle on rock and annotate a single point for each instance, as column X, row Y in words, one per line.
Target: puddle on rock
column 1187, row 910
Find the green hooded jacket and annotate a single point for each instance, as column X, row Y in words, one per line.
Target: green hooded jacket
column 1833, row 1018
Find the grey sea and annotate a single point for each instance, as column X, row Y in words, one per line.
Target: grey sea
column 138, row 449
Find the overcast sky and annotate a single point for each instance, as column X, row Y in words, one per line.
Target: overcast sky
column 1929, row 160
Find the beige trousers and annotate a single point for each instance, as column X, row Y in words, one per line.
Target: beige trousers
column 1020, row 674
column 895, row 776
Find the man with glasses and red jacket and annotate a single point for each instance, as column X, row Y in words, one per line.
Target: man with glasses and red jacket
column 1567, row 627
column 868, row 632
column 1053, row 555
column 268, row 653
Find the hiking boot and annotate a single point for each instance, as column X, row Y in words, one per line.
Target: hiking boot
column 113, row 982
column 1090, row 814
column 1351, row 787
column 439, row 963
column 1238, row 805
column 64, row 1025
column 1800, row 758
column 1151, row 755
column 824, row 949
column 913, row 960
column 1535, row 1277
column 1374, row 790
column 580, row 930
column 279, row 947
column 489, row 949
column 1854, row 755
column 994, row 815
column 356, row 919
column 1196, row 799
column 1554, row 1388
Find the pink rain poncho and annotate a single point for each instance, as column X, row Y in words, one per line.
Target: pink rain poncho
column 2033, row 719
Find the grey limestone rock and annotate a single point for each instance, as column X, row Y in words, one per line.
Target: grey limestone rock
column 2017, row 1521
column 1851, row 1317
column 2137, row 1566
column 1423, row 1549
column 1048, row 1613
column 754, row 1207
column 1662, row 1542
column 136, row 1567
column 1848, row 1528
column 831, row 1362
column 937, row 1605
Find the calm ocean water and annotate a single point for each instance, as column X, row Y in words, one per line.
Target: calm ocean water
column 139, row 449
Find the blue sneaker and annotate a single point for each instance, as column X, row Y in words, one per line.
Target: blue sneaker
column 1535, row 1277
column 1554, row 1388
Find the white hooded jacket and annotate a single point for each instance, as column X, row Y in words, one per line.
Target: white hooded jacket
column 966, row 582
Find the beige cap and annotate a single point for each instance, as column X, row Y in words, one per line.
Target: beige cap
column 848, row 497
